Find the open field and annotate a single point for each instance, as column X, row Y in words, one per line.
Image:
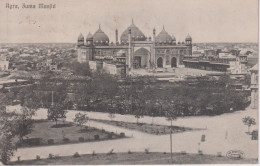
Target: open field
column 147, row 128
column 136, row 158
column 45, row 133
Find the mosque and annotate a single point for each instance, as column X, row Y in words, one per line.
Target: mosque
column 134, row 49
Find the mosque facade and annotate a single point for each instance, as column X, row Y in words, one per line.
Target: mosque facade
column 136, row 49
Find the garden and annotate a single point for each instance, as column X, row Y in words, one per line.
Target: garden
column 45, row 132
column 147, row 128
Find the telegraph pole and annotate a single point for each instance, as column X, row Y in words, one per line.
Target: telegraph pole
column 171, row 141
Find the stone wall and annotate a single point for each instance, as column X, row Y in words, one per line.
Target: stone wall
column 93, row 65
column 110, row 68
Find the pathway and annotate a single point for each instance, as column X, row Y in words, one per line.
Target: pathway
column 224, row 132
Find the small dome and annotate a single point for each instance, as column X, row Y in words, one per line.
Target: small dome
column 135, row 33
column 89, row 36
column 188, row 37
column 81, row 37
column 100, row 37
column 163, row 36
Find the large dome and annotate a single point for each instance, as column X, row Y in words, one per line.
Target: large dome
column 163, row 37
column 136, row 34
column 100, row 37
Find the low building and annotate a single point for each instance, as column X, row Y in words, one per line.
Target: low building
column 254, row 86
column 4, row 65
column 237, row 67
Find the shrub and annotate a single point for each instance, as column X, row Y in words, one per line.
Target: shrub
column 109, row 136
column 164, row 152
column 50, row 141
column 200, row 152
column 122, row 134
column 38, row 157
column 183, row 152
column 93, row 153
column 129, row 152
column 146, row 151
column 219, row 154
column 32, row 141
column 96, row 137
column 81, row 139
column 76, row 154
column 66, row 140
column 62, row 125
column 110, row 152
column 51, row 156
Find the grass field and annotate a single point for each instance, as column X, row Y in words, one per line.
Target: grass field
column 147, row 128
column 136, row 158
column 66, row 132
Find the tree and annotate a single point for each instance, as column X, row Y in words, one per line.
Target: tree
column 24, row 123
column 81, row 119
column 249, row 122
column 56, row 112
column 7, row 133
column 7, row 148
column 80, row 69
column 171, row 107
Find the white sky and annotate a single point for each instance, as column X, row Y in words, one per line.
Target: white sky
column 204, row 20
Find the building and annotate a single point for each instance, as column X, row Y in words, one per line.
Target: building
column 254, row 86
column 4, row 63
column 159, row 51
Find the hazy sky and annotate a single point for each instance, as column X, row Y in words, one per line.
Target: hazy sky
column 204, row 20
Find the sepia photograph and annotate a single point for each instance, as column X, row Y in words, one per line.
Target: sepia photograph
column 129, row 82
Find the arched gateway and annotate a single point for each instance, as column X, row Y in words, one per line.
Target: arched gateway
column 160, row 62
column 174, row 62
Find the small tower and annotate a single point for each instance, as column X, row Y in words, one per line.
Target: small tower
column 188, row 39
column 129, row 36
column 154, row 34
column 80, row 40
column 89, row 39
column 130, row 59
column 89, row 47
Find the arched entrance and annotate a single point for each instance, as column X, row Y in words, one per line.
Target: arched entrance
column 174, row 62
column 160, row 62
column 141, row 58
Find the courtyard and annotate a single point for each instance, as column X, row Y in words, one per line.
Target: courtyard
column 173, row 73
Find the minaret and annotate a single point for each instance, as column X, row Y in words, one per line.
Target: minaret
column 154, row 33
column 188, row 41
column 116, row 37
column 152, row 59
column 129, row 50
